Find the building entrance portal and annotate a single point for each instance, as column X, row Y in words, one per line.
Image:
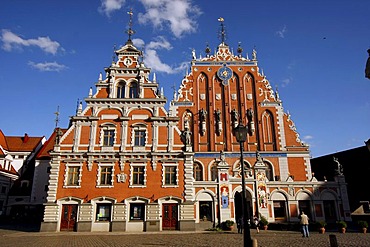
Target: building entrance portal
column 170, row 216
column 68, row 221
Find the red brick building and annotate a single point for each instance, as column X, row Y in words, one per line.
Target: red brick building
column 127, row 164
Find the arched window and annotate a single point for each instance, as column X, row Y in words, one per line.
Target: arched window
column 134, row 90
column 269, row 172
column 214, row 172
column 121, row 90
column 268, row 130
column 198, row 172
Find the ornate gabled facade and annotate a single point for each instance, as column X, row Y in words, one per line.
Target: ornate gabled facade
column 222, row 90
column 126, row 164
column 120, row 164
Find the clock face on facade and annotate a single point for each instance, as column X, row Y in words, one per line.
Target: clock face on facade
column 224, row 73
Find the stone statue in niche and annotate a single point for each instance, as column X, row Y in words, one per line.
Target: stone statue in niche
column 218, row 121
column 251, row 127
column 202, row 120
column 234, row 117
column 186, row 138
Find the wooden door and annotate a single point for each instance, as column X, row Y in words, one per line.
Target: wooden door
column 169, row 216
column 69, row 214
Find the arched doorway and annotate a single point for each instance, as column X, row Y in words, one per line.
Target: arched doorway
column 238, row 206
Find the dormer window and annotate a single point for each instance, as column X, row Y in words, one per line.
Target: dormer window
column 134, row 90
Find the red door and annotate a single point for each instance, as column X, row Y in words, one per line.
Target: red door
column 69, row 213
column 169, row 217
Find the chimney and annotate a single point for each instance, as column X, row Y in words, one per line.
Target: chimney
column 25, row 138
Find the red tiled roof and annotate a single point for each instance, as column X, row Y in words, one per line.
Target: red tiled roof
column 48, row 146
column 2, row 142
column 22, row 143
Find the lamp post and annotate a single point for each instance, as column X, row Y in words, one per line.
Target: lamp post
column 241, row 136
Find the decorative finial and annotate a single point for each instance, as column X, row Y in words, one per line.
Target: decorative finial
column 222, row 34
column 114, row 54
column 79, row 109
column 77, row 106
column 240, row 49
column 130, row 31
column 57, row 113
column 254, row 53
column 174, row 91
column 208, row 50
column 277, row 94
column 154, row 78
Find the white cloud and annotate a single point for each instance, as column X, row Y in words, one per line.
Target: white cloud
column 179, row 15
column 108, row 6
column 11, row 41
column 286, row 82
column 281, row 33
column 47, row 66
column 152, row 59
column 308, row 137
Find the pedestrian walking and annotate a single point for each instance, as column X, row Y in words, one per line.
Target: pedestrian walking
column 304, row 224
column 239, row 224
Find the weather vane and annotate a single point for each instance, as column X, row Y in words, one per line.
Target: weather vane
column 130, row 32
column 222, row 33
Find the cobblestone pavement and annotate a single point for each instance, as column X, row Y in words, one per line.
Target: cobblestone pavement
column 264, row 238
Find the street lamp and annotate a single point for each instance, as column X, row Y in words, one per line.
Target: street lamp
column 241, row 136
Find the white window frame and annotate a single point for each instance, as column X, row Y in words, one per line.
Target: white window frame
column 139, row 127
column 98, row 179
column 176, row 185
column 68, row 165
column 132, row 165
column 107, row 126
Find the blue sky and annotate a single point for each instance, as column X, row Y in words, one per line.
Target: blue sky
column 51, row 53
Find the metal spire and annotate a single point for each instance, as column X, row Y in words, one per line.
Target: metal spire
column 57, row 113
column 130, row 31
column 222, row 33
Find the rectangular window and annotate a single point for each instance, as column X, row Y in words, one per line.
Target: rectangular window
column 103, row 211
column 73, row 175
column 137, row 211
column 140, row 138
column 106, row 175
column 108, row 138
column 138, row 175
column 170, row 175
column 3, row 189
